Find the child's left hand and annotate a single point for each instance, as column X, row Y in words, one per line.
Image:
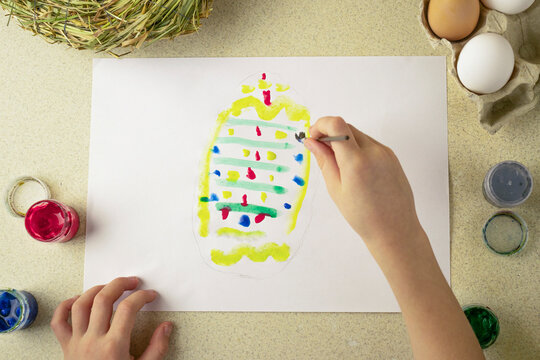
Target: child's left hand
column 91, row 334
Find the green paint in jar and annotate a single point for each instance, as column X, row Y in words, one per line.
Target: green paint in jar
column 484, row 323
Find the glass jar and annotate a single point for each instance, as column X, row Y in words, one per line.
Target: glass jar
column 51, row 221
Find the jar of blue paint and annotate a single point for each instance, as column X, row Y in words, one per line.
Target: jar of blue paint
column 508, row 184
column 18, row 310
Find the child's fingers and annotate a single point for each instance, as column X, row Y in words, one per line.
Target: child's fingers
column 336, row 126
column 159, row 344
column 80, row 311
column 59, row 322
column 124, row 318
column 102, row 308
column 326, row 160
column 329, row 126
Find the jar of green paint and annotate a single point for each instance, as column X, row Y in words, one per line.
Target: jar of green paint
column 484, row 323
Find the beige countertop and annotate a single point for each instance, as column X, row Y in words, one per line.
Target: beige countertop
column 44, row 131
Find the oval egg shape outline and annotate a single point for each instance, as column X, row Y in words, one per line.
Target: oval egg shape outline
column 250, row 209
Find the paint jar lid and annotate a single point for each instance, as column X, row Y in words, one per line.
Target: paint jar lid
column 505, row 233
column 25, row 192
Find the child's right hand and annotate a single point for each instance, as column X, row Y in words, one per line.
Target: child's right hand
column 366, row 181
column 371, row 190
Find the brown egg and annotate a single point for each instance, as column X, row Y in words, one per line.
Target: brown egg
column 453, row 19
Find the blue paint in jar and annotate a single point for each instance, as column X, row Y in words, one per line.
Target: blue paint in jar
column 18, row 310
column 507, row 184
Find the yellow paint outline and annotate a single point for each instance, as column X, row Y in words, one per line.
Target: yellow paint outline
column 295, row 112
column 280, row 253
column 203, row 213
column 302, row 194
column 228, row 231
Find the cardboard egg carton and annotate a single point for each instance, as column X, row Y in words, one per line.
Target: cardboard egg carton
column 522, row 92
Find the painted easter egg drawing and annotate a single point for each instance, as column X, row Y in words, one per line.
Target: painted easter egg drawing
column 250, row 210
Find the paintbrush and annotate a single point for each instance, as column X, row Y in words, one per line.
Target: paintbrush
column 302, row 136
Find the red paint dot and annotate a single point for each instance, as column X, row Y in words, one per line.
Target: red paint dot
column 266, row 95
column 257, row 156
column 225, row 212
column 264, row 76
column 250, row 174
column 244, row 200
column 260, row 217
column 258, row 131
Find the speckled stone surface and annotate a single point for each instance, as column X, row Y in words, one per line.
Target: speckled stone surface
column 44, row 131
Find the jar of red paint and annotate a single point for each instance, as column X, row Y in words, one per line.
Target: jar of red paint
column 51, row 222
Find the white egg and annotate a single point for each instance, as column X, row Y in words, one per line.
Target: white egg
column 485, row 63
column 509, row 7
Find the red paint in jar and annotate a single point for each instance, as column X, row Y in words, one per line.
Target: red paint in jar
column 50, row 221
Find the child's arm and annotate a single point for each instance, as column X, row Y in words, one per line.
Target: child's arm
column 366, row 181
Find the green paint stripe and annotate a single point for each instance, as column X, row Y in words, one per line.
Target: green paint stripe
column 250, row 163
column 254, row 143
column 249, row 208
column 252, row 186
column 237, row 121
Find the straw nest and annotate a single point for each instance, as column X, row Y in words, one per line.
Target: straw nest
column 113, row 26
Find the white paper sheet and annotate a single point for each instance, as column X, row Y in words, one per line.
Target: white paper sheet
column 151, row 122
